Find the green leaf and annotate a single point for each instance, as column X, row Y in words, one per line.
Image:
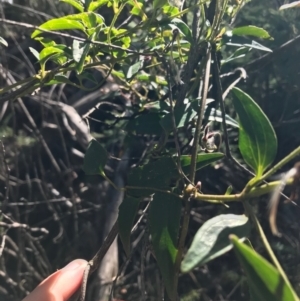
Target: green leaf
column 3, row 42
column 164, row 222
column 47, row 52
column 290, row 5
column 157, row 4
column 62, row 79
column 35, row 53
column 263, row 278
column 202, row 160
column 59, row 24
column 157, row 174
column 89, row 19
column 96, row 4
column 170, row 10
column 127, row 213
column 242, row 41
column 80, row 50
column 152, row 78
column 134, row 69
column 182, row 115
column 216, row 115
column 211, row 240
column 47, row 42
column 145, row 124
column 182, row 27
column 251, row 30
column 136, row 8
column 75, row 3
column 257, row 138
column 95, row 159
column 239, row 53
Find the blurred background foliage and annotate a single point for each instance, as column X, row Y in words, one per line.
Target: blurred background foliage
column 71, row 206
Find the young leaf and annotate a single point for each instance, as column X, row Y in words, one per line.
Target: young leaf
column 47, row 52
column 127, row 213
column 251, row 30
column 89, row 19
column 95, row 159
column 96, row 4
column 202, row 160
column 257, row 138
column 164, row 221
column 75, row 3
column 59, row 24
column 264, row 280
column 211, row 240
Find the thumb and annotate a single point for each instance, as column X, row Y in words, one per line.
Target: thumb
column 61, row 285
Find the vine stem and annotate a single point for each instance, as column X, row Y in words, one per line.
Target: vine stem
column 264, row 239
column 186, row 197
column 200, row 117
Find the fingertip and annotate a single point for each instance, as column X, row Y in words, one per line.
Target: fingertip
column 61, row 285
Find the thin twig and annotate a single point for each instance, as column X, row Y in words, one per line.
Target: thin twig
column 200, row 117
column 94, row 263
column 65, row 35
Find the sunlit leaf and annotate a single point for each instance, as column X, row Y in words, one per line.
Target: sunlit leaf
column 137, row 8
column 239, row 53
column 290, row 5
column 75, row 3
column 212, row 241
column 59, row 24
column 164, row 222
column 170, row 10
column 47, row 52
column 182, row 27
column 80, row 51
column 95, row 159
column 3, row 42
column 97, row 4
column 257, row 138
column 202, row 160
column 263, row 278
column 251, row 30
column 242, row 41
column 127, row 213
column 216, row 115
column 35, row 53
column 134, row 69
column 89, row 19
